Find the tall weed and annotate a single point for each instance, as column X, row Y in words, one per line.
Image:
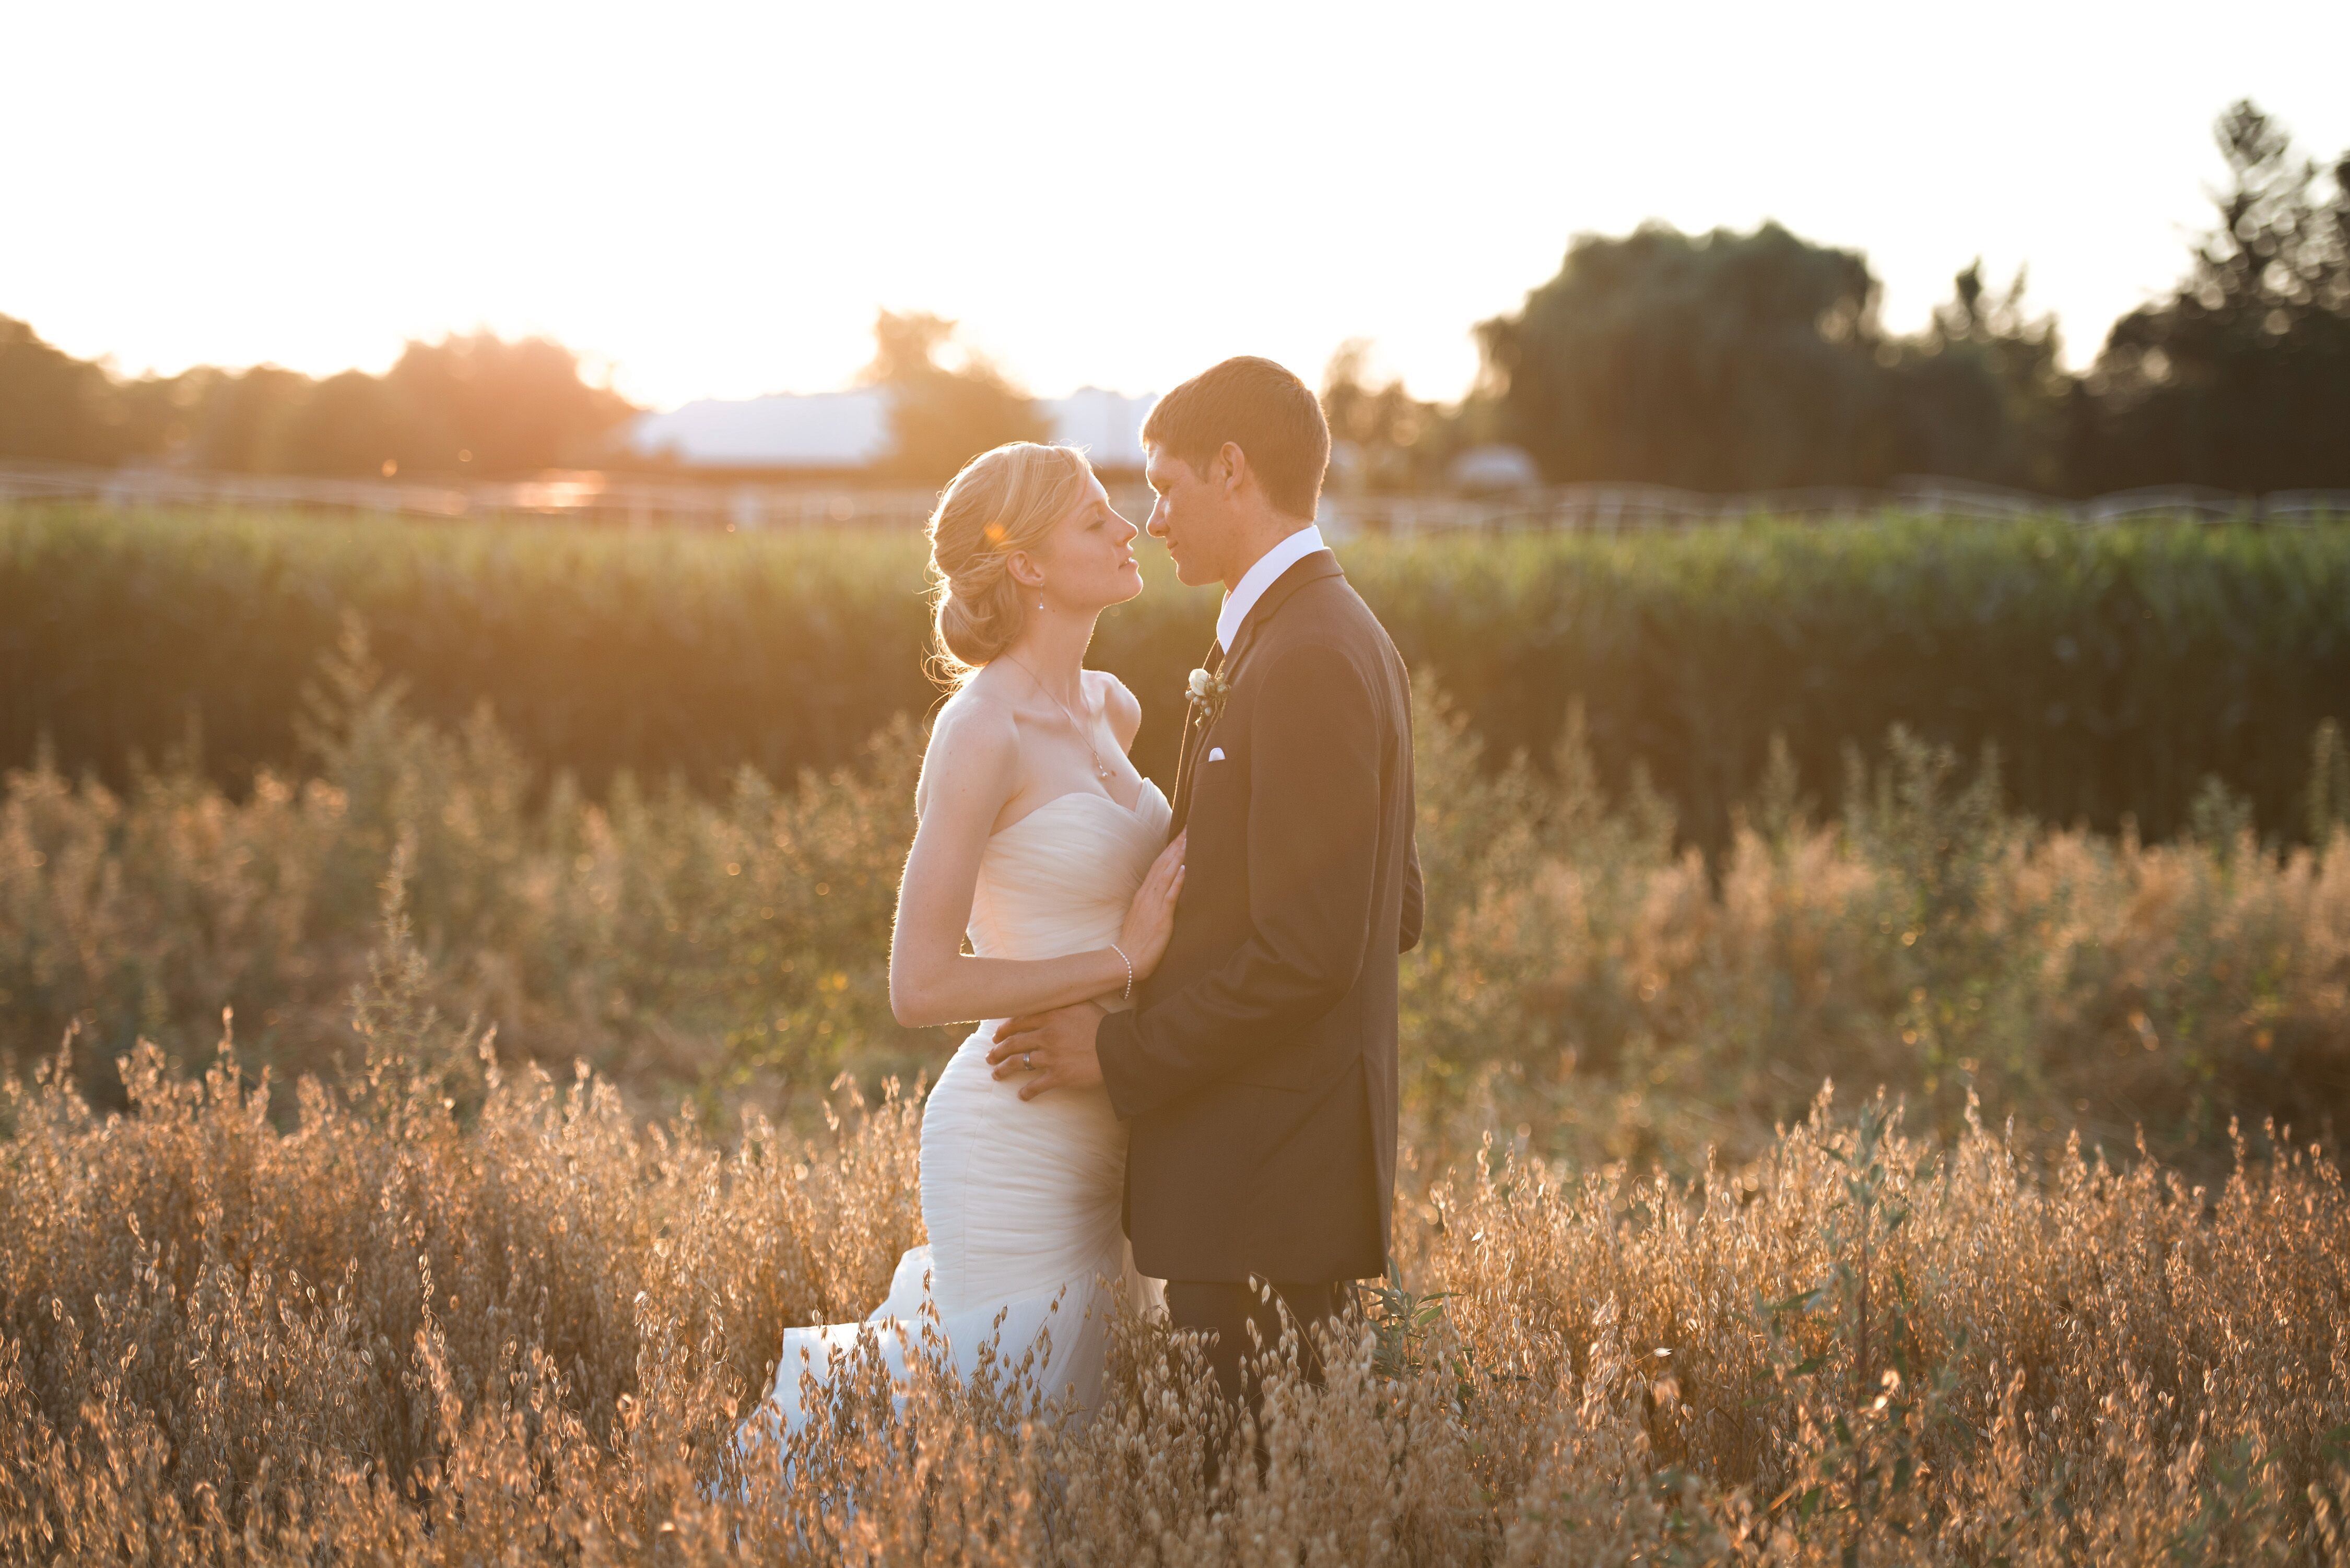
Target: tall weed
column 1587, row 983
column 400, row 1331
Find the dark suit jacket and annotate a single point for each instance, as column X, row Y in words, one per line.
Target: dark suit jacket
column 1258, row 1073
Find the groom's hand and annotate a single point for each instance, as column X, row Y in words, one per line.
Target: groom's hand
column 1051, row 1050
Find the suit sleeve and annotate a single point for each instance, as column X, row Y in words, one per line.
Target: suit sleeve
column 1313, row 828
column 1414, row 898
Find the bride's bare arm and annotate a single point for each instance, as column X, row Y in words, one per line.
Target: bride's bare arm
column 970, row 773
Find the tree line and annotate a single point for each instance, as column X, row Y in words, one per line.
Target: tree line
column 1731, row 361
column 1723, row 361
column 470, row 405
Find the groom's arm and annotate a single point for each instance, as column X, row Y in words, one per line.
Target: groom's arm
column 1313, row 821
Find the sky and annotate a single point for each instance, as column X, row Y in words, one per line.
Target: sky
column 713, row 200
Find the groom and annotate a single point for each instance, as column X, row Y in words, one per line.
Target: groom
column 1257, row 1073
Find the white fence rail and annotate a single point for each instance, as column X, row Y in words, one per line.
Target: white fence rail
column 588, row 497
column 1631, row 508
column 633, row 501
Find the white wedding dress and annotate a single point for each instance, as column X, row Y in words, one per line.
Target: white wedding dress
column 1022, row 1200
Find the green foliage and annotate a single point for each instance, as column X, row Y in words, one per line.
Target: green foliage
column 1402, row 1322
column 1581, row 979
column 600, row 653
column 1721, row 362
column 52, row 405
column 1981, row 394
column 1733, row 362
column 941, row 417
column 2113, row 669
column 468, row 405
column 2241, row 378
column 2329, row 783
column 425, row 874
column 1383, row 439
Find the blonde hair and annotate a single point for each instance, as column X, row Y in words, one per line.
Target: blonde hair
column 1005, row 499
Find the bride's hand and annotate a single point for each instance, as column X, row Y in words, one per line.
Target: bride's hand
column 1151, row 919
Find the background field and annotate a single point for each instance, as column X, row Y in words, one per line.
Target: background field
column 2055, row 1276
column 646, row 804
column 2114, row 669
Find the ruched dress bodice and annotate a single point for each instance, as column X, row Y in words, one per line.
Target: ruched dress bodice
column 1022, row 1199
column 1059, row 881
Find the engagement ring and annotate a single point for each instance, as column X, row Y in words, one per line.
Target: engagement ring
column 1026, row 1063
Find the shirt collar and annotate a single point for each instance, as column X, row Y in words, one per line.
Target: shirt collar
column 1292, row 549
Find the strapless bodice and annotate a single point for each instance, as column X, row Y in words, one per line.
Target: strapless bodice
column 1059, row 879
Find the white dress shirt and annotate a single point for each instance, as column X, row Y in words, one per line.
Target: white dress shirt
column 1292, row 549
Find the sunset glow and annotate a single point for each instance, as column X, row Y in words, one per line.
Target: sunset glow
column 713, row 199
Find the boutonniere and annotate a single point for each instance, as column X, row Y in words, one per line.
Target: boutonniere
column 1207, row 695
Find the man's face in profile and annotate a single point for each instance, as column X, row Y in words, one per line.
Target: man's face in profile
column 1189, row 515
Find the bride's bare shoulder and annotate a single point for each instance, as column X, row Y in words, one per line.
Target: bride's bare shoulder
column 976, row 738
column 1121, row 706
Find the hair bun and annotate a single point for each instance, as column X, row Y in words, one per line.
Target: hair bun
column 1004, row 500
column 971, row 626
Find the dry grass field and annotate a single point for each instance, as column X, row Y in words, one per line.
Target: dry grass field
column 1590, row 984
column 371, row 1285
column 386, row 1332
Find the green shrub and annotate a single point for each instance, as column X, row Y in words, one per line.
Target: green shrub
column 2114, row 669
column 1581, row 977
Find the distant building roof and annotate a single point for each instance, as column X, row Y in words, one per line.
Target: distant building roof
column 851, row 429
column 1108, row 425
column 790, row 429
column 1489, row 468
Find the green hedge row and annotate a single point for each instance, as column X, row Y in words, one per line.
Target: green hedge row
column 2115, row 670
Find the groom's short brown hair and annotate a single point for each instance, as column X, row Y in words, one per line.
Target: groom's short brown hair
column 1260, row 407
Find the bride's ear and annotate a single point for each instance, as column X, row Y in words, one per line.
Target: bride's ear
column 1023, row 569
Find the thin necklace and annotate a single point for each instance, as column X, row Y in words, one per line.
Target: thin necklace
column 1100, row 767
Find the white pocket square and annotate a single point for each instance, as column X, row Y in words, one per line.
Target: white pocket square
column 1215, row 753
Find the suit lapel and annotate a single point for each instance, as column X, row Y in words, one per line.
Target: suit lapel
column 1310, row 568
column 1186, row 756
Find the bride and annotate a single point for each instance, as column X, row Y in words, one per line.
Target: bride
column 1039, row 841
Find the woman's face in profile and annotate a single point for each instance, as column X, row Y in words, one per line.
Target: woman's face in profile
column 1087, row 560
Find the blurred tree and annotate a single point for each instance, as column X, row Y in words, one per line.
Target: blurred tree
column 467, row 404
column 941, row 418
column 1382, row 438
column 54, row 407
column 1722, row 362
column 1980, row 394
column 243, row 419
column 479, row 404
column 2241, row 379
column 470, row 404
column 158, row 415
column 351, row 424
